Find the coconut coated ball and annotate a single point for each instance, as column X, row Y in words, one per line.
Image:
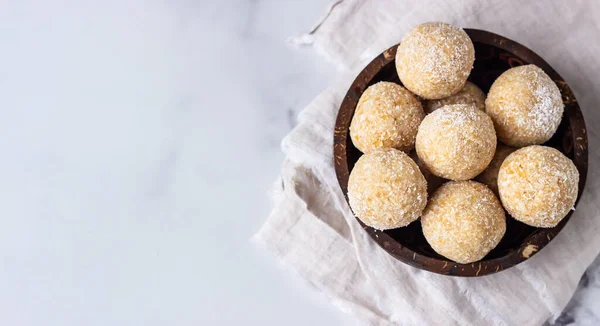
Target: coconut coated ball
column 456, row 142
column 434, row 60
column 525, row 105
column 489, row 176
column 387, row 115
column 463, row 221
column 538, row 185
column 469, row 94
column 433, row 181
column 386, row 190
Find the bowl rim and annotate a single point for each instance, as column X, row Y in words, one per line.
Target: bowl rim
column 532, row 244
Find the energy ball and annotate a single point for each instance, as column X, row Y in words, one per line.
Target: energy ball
column 489, row 176
column 434, row 60
column 538, row 185
column 433, row 181
column 386, row 190
column 525, row 105
column 463, row 221
column 469, row 94
column 456, row 142
column 387, row 116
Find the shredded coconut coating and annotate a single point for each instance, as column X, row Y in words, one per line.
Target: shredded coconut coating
column 434, row 60
column 463, row 221
column 386, row 190
column 538, row 185
column 433, row 181
column 525, row 105
column 489, row 176
column 387, row 116
column 456, row 142
column 469, row 94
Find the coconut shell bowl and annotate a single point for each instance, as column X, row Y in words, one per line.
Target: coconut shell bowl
column 494, row 54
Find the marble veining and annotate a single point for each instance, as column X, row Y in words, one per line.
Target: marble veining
column 583, row 309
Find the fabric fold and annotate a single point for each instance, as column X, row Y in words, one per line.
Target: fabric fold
column 313, row 231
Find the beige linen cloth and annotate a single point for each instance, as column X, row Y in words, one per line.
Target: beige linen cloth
column 312, row 230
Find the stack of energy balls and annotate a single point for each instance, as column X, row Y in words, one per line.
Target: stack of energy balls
column 455, row 130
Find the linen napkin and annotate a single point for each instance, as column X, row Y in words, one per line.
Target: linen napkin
column 313, row 231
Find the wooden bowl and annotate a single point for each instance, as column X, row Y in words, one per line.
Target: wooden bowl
column 494, row 54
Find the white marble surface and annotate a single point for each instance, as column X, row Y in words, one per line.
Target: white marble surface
column 584, row 307
column 138, row 140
